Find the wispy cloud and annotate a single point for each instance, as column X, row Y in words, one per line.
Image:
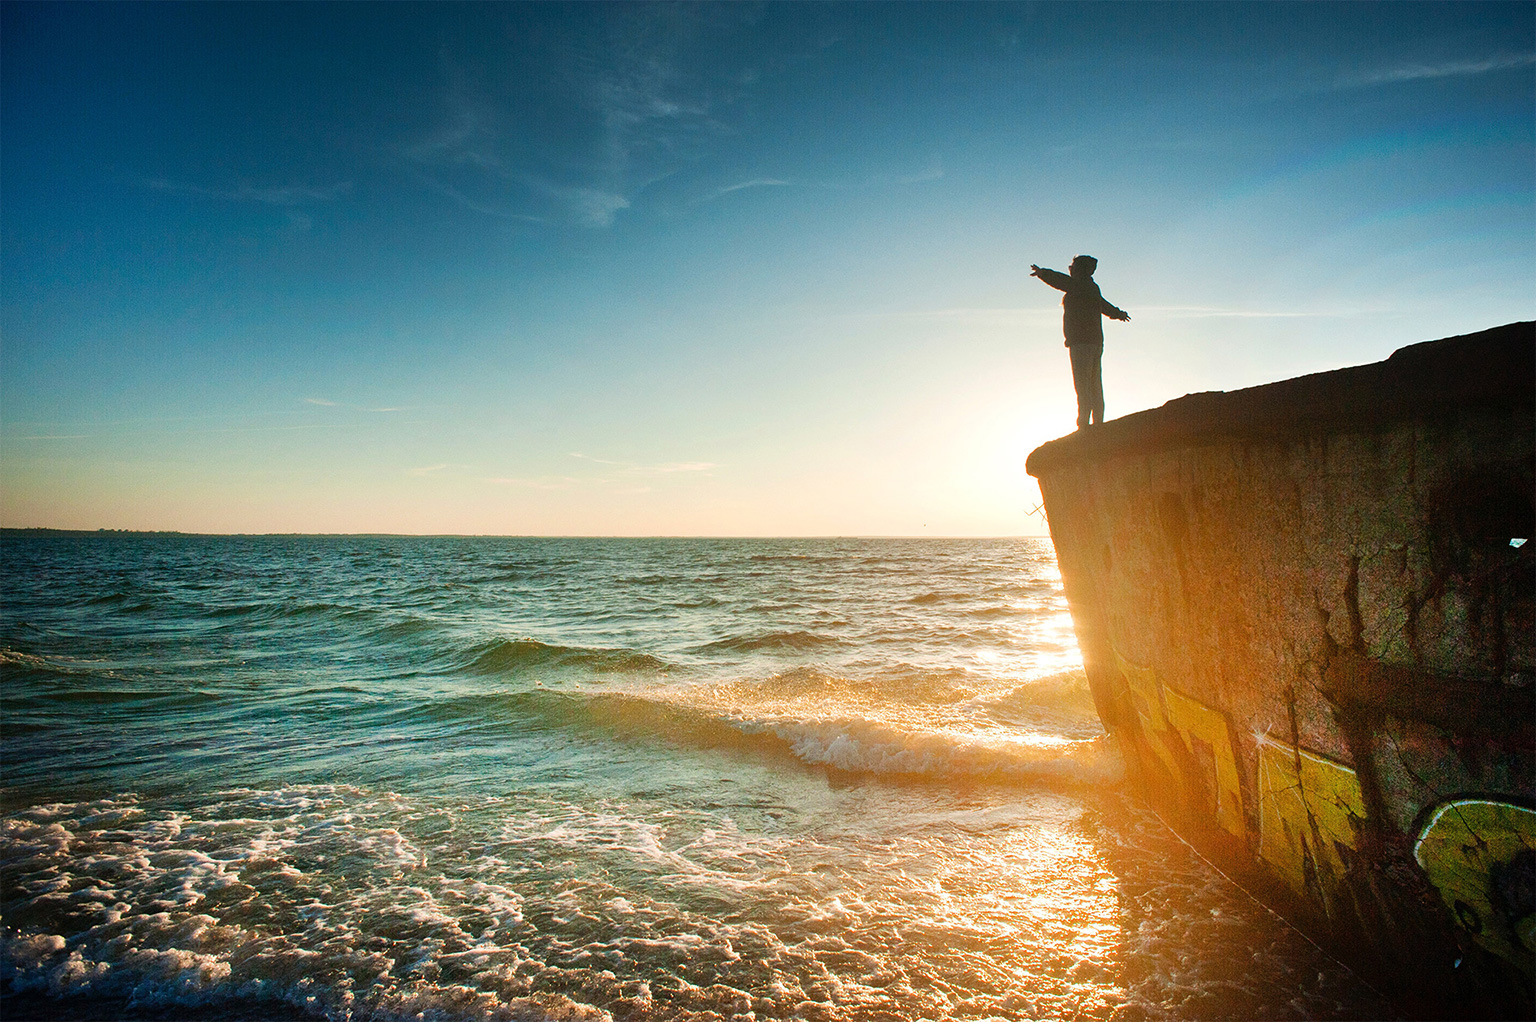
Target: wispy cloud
column 933, row 171
column 603, row 112
column 592, row 207
column 501, row 212
column 469, row 144
column 626, row 97
column 756, row 182
column 468, row 137
column 488, row 183
column 1444, row 69
column 327, row 403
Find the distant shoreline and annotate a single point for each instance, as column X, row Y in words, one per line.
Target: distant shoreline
column 42, row 533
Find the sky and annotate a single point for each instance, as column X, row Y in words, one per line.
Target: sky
column 718, row 269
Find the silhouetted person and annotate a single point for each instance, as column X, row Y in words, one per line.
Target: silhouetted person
column 1082, row 306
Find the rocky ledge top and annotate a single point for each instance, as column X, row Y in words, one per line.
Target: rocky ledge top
column 1491, row 368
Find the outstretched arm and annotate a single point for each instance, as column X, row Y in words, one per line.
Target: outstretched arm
column 1114, row 313
column 1060, row 281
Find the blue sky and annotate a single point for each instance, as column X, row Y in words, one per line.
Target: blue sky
column 708, row 269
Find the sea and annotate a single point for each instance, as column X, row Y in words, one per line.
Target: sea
column 469, row 778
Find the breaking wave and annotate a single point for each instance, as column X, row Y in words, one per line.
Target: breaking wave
column 1035, row 734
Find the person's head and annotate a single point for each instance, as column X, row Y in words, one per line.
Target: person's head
column 1083, row 266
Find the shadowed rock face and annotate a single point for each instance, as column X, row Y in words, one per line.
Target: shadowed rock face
column 1306, row 610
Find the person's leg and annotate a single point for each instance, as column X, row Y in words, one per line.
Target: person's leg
column 1085, row 380
column 1096, row 383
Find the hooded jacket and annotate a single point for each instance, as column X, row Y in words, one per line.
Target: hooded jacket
column 1083, row 307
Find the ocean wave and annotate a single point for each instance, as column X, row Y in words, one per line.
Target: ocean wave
column 166, row 697
column 1036, row 587
column 70, row 668
column 127, row 602
column 899, row 683
column 510, row 655
column 520, row 571
column 869, row 747
column 768, row 641
column 435, row 590
column 995, row 612
column 919, row 723
column 598, row 716
column 407, row 629
column 16, row 658
column 941, row 596
column 983, row 634
column 281, row 609
column 631, row 717
column 1061, row 704
column 1068, row 688
column 811, row 719
column 792, row 558
column 806, row 717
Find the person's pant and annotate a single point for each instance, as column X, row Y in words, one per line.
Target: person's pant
column 1088, row 381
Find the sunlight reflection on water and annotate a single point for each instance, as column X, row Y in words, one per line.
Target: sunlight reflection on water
column 387, row 778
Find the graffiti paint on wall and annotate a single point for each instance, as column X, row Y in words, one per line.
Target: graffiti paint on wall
column 1186, row 735
column 1309, row 809
column 1209, row 740
column 1481, row 855
column 1147, row 700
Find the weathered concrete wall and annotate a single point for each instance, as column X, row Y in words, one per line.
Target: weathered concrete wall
column 1300, row 605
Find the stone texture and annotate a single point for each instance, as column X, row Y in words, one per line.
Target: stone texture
column 1326, row 562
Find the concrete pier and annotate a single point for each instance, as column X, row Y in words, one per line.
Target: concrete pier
column 1308, row 612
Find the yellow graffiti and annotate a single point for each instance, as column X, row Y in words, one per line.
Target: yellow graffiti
column 1147, row 700
column 1194, row 720
column 1167, row 717
column 1309, row 807
column 1465, row 849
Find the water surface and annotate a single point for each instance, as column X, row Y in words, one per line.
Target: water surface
column 468, row 778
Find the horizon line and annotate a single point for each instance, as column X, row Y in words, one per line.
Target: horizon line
column 497, row 535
